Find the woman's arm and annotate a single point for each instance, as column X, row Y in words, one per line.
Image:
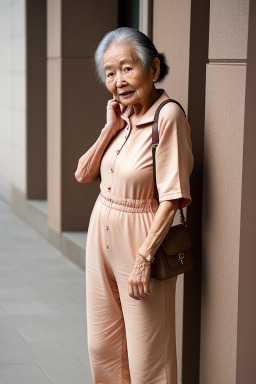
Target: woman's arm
column 138, row 281
column 159, row 228
column 88, row 168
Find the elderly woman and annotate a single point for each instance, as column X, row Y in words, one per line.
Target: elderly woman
column 130, row 315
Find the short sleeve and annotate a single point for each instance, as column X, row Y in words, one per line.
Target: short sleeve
column 174, row 157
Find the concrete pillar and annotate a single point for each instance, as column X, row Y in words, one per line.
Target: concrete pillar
column 185, row 42
column 186, row 49
column 225, row 186
column 246, row 335
column 76, row 105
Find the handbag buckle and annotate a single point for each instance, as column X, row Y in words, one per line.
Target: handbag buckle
column 181, row 256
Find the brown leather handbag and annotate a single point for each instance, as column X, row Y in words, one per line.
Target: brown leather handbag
column 175, row 255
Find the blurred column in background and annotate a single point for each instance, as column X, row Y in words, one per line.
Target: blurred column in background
column 75, row 104
column 36, row 184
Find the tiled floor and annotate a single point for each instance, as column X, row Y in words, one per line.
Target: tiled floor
column 42, row 309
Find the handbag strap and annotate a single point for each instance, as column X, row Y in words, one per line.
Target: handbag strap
column 155, row 141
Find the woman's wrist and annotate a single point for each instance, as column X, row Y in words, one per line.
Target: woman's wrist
column 110, row 126
column 148, row 258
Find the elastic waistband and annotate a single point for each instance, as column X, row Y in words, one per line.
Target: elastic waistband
column 128, row 205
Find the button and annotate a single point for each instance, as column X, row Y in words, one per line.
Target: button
column 109, row 188
column 106, row 226
column 117, row 151
column 112, row 170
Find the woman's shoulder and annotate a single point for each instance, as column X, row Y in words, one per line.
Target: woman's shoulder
column 171, row 110
column 170, row 113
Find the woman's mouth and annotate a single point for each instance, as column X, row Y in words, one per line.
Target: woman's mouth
column 126, row 95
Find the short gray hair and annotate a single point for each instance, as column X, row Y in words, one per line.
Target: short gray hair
column 144, row 47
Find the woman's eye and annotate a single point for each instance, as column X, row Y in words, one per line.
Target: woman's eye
column 110, row 74
column 128, row 68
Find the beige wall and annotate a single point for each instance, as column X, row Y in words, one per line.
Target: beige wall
column 225, row 97
column 171, row 35
column 246, row 335
column 12, row 93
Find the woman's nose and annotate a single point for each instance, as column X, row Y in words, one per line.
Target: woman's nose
column 119, row 79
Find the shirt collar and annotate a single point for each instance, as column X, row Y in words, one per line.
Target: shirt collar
column 148, row 116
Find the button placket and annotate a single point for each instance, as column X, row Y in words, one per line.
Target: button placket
column 106, row 226
column 112, row 169
column 109, row 189
column 125, row 139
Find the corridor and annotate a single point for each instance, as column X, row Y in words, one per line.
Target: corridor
column 42, row 309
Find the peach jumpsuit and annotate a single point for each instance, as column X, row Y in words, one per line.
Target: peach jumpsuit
column 128, row 339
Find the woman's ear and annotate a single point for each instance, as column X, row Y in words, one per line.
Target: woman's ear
column 156, row 68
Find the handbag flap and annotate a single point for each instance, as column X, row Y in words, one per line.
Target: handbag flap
column 177, row 239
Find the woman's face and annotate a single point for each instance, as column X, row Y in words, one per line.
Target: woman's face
column 124, row 73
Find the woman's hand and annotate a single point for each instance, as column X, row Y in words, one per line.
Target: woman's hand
column 114, row 111
column 138, row 281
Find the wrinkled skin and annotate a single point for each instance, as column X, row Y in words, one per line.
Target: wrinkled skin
column 138, row 281
column 124, row 72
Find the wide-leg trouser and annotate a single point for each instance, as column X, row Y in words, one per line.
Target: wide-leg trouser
column 128, row 339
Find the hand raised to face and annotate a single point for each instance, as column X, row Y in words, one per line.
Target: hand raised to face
column 114, row 111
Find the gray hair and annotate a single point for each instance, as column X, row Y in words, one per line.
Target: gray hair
column 144, row 47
